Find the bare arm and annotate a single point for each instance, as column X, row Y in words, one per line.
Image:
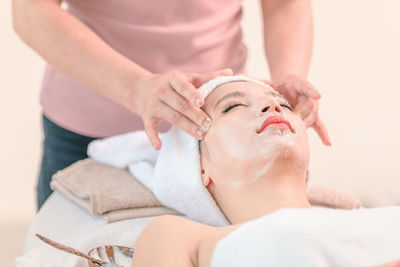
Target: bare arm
column 73, row 48
column 178, row 242
column 288, row 36
column 167, row 241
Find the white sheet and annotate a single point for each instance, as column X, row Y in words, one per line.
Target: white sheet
column 62, row 220
column 314, row 238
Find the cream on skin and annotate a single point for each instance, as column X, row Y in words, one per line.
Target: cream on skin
column 242, row 168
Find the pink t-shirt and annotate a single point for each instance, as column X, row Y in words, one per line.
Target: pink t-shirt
column 184, row 35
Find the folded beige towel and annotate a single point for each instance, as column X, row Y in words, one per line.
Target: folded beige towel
column 109, row 192
column 115, row 194
column 332, row 198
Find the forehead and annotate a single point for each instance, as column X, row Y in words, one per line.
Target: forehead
column 249, row 88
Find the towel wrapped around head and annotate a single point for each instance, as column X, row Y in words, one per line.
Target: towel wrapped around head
column 172, row 173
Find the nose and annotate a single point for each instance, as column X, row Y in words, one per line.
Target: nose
column 272, row 106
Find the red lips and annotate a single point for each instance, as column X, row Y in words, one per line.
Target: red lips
column 274, row 119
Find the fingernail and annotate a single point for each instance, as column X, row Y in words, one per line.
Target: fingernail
column 199, row 133
column 207, row 123
column 317, row 95
column 198, row 102
column 327, row 142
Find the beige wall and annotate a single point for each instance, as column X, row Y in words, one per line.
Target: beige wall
column 20, row 137
column 355, row 66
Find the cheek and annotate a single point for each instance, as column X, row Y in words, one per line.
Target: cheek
column 230, row 144
column 233, row 137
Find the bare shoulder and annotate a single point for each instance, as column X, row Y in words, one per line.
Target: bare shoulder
column 208, row 241
column 168, row 241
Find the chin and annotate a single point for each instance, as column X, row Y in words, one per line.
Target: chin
column 294, row 156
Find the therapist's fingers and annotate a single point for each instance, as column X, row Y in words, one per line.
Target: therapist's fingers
column 180, row 83
column 322, row 132
column 304, row 106
column 168, row 113
column 293, row 84
column 165, row 112
column 310, row 119
column 312, row 116
column 309, row 90
column 198, row 118
column 306, row 88
column 150, row 128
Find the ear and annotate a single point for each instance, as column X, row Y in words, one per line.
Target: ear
column 205, row 178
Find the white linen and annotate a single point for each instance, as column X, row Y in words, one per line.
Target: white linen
column 314, row 237
column 62, row 220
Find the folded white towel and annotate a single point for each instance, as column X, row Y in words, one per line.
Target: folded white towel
column 173, row 173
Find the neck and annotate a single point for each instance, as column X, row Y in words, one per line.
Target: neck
column 279, row 188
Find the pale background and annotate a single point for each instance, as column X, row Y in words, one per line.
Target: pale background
column 355, row 66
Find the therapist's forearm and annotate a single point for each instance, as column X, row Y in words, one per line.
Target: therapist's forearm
column 288, row 36
column 73, row 48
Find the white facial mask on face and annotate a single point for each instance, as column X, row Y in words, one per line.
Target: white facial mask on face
column 244, row 162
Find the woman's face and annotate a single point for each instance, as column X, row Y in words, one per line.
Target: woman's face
column 233, row 152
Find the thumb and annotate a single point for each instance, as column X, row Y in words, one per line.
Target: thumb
column 150, row 127
column 309, row 90
column 199, row 79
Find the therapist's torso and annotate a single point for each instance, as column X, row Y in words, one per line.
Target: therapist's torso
column 185, row 35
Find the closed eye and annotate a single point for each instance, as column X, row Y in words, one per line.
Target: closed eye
column 287, row 106
column 231, row 106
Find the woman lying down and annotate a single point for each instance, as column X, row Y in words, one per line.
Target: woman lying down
column 254, row 163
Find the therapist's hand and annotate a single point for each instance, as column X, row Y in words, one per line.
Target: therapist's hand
column 173, row 97
column 304, row 98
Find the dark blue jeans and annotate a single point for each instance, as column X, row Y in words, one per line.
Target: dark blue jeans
column 61, row 148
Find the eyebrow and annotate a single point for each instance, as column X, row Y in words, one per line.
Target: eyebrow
column 242, row 94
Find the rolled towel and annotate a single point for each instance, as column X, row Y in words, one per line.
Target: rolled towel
column 172, row 173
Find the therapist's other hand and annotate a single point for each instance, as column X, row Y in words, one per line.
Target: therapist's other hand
column 304, row 98
column 173, row 97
